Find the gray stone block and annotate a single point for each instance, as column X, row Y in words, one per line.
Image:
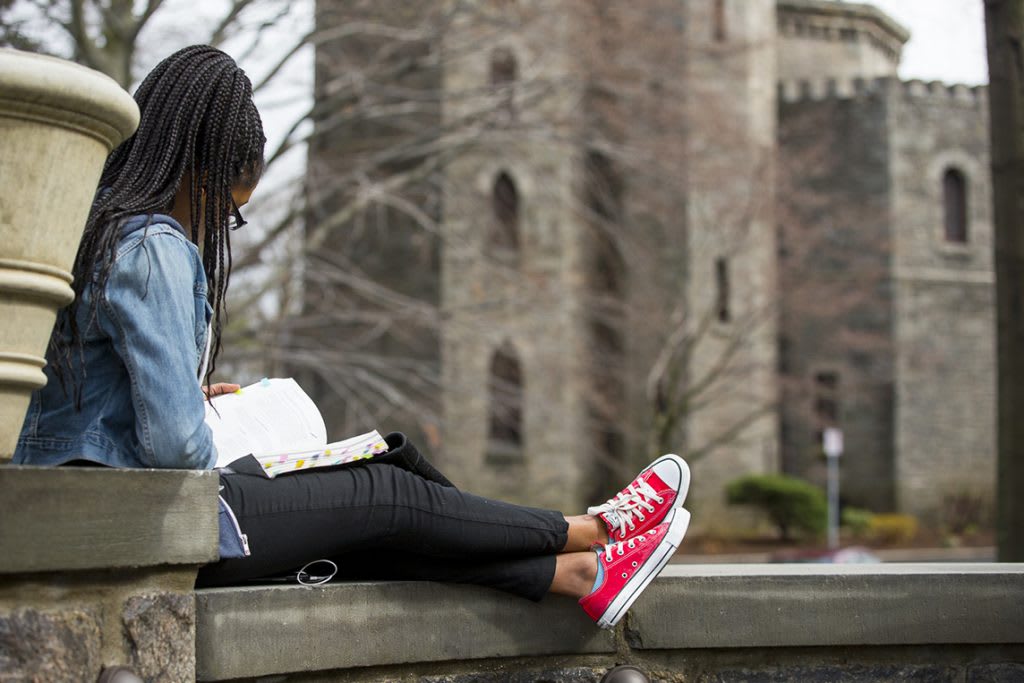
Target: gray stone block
column 880, row 673
column 554, row 675
column 1000, row 672
column 257, row 631
column 732, row 606
column 54, row 519
column 49, row 646
column 159, row 634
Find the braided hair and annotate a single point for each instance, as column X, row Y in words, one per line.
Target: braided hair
column 198, row 125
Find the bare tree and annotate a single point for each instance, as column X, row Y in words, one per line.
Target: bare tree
column 343, row 286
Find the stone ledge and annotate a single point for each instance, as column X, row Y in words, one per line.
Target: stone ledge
column 342, row 626
column 64, row 518
column 736, row 606
column 263, row 630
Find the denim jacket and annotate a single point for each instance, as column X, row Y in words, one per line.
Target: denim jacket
column 142, row 405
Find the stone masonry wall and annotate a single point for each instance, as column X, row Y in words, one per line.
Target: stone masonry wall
column 97, row 568
column 837, row 293
column 944, row 333
column 68, row 627
column 524, row 299
column 730, row 127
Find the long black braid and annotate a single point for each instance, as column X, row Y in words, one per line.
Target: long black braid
column 200, row 125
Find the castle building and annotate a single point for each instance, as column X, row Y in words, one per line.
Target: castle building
column 713, row 226
column 886, row 288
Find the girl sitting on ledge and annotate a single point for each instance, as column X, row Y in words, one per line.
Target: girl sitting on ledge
column 130, row 361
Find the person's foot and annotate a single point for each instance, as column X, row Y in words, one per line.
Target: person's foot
column 658, row 489
column 625, row 569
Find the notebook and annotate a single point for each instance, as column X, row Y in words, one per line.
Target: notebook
column 276, row 423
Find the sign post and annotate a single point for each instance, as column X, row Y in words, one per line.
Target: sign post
column 832, row 442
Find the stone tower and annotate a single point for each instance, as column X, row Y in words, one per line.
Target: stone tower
column 732, row 293
column 514, row 419
column 887, row 319
column 583, row 247
column 712, row 227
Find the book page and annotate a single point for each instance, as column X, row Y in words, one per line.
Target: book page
column 271, row 416
column 360, row 447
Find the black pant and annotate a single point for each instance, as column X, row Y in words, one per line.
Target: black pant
column 379, row 521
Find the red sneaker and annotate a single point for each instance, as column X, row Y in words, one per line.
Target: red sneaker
column 659, row 488
column 630, row 566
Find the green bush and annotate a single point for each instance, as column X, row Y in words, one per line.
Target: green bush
column 791, row 503
column 857, row 521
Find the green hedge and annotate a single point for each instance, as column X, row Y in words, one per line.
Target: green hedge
column 792, row 504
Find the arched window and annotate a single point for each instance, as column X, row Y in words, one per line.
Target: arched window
column 504, row 69
column 720, row 27
column 608, row 276
column 722, row 295
column 504, row 73
column 954, row 196
column 504, row 234
column 505, row 437
column 604, row 188
column 826, row 398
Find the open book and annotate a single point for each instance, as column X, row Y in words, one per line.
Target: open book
column 276, row 423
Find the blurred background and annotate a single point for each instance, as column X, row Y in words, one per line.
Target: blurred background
column 553, row 239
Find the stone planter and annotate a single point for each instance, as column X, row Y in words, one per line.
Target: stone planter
column 58, row 123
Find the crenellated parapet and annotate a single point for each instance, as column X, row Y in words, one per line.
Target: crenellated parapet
column 937, row 90
column 800, row 90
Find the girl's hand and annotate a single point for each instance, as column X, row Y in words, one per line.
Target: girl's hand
column 220, row 388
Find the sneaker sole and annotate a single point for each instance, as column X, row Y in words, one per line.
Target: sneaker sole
column 648, row 571
column 684, row 477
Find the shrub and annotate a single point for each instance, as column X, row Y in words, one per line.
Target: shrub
column 857, row 521
column 962, row 512
column 791, row 503
column 892, row 528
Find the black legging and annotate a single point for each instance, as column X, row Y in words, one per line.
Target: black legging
column 379, row 521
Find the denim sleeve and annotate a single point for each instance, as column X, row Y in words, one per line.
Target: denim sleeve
column 149, row 312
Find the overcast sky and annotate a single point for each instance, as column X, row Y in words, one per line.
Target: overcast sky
column 947, row 40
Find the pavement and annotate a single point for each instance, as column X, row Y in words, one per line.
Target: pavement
column 972, row 554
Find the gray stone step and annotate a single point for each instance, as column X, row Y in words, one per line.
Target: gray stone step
column 75, row 518
column 798, row 605
column 262, row 630
column 265, row 630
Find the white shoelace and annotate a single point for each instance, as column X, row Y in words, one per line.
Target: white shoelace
column 619, row 510
column 620, row 547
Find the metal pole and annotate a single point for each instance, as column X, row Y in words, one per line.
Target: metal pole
column 833, row 502
column 832, row 444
